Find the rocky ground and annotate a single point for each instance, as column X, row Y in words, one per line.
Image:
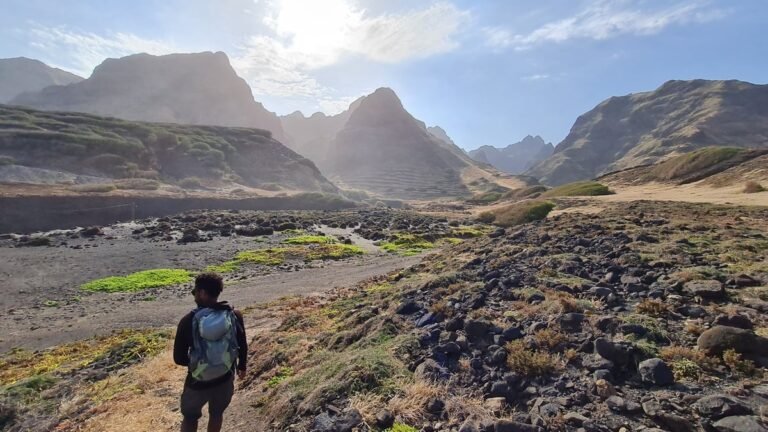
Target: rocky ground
column 643, row 316
column 648, row 316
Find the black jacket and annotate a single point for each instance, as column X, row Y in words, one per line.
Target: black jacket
column 183, row 343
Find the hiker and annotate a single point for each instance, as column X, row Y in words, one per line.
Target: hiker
column 211, row 341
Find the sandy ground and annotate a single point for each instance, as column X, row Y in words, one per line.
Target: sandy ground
column 44, row 306
column 686, row 193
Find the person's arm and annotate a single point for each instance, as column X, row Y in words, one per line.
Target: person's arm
column 242, row 343
column 181, row 344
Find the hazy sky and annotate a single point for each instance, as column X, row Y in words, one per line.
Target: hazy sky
column 489, row 72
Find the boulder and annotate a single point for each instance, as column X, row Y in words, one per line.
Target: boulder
column 721, row 338
column 740, row 424
column 718, row 406
column 734, row 320
column 706, row 289
column 655, row 371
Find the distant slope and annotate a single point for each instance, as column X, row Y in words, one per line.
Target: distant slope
column 515, row 158
column 87, row 145
column 383, row 149
column 376, row 145
column 714, row 166
column 19, row 75
column 200, row 89
column 643, row 128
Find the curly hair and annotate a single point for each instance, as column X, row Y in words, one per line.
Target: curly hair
column 211, row 283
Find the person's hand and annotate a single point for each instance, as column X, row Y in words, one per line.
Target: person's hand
column 241, row 374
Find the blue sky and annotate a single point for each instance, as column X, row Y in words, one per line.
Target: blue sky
column 488, row 72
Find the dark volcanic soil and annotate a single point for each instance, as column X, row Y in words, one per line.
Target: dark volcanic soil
column 41, row 285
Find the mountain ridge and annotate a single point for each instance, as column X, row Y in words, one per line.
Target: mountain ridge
column 643, row 128
column 21, row 74
column 190, row 88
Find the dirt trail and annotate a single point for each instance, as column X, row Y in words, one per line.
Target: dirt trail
column 40, row 327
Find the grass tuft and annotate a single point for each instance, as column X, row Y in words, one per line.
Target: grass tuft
column 753, row 187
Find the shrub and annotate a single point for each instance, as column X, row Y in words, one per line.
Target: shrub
column 528, row 192
column 93, row 188
column 737, row 365
column 190, row 183
column 486, row 217
column 522, row 212
column 137, row 184
column 583, row 188
column 485, row 198
column 750, row 187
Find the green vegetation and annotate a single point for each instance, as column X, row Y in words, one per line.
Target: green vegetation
column 485, row 198
column 469, row 232
column 7, row 160
column 691, row 166
column 139, row 281
column 282, row 373
column 117, row 350
column 401, row 427
column 310, row 239
column 124, row 149
column 137, row 184
column 93, row 188
column 582, row 188
column 522, row 212
column 528, row 192
column 407, row 244
column 304, row 251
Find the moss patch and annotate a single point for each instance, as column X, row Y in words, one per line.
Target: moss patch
column 308, row 251
column 407, row 244
column 139, row 281
column 309, row 239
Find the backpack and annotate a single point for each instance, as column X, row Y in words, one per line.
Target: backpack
column 214, row 343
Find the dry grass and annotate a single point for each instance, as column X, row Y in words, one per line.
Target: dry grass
column 654, row 308
column 737, row 365
column 139, row 400
column 675, row 353
column 530, row 363
column 549, row 339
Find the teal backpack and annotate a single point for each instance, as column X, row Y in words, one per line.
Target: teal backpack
column 214, row 343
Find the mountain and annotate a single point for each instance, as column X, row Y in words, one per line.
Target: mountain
column 383, row 149
column 644, row 128
column 514, row 158
column 198, row 88
column 42, row 145
column 18, row 75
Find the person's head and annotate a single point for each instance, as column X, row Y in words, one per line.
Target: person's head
column 208, row 286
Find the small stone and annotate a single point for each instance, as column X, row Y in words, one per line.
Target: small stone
column 496, row 404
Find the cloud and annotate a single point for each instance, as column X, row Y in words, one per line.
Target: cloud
column 535, row 77
column 308, row 35
column 82, row 51
column 605, row 19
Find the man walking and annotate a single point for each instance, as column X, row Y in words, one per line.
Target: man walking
column 211, row 342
